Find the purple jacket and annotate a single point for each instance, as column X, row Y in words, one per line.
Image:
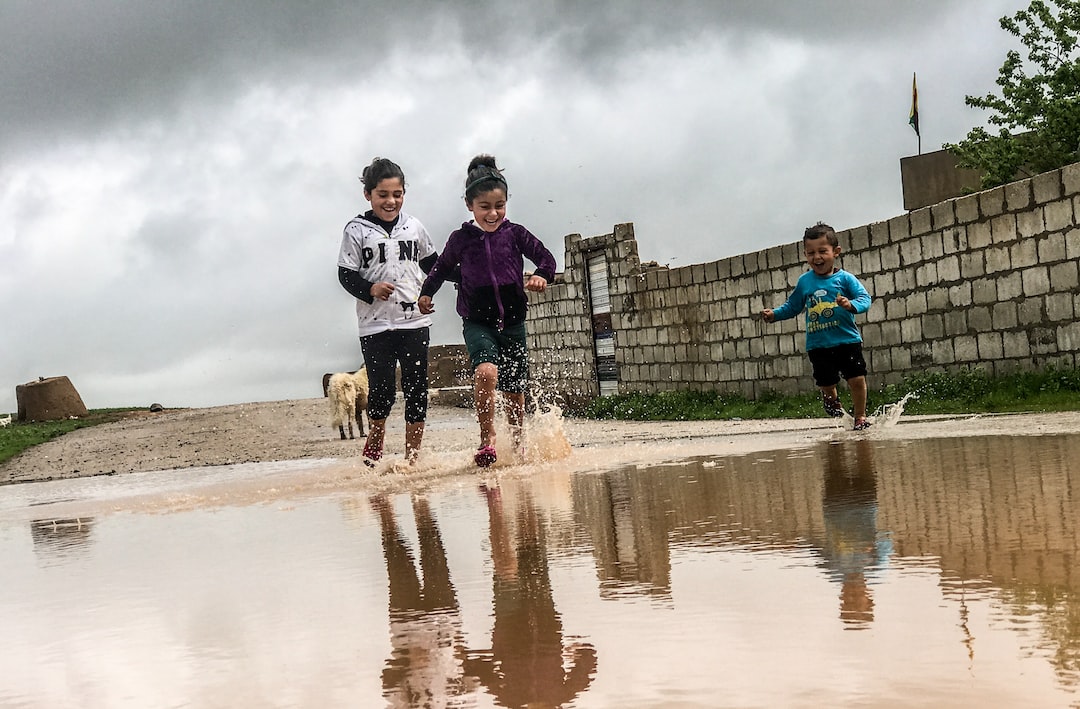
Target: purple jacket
column 492, row 290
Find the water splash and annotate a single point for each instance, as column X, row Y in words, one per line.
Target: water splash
column 889, row 414
column 544, row 437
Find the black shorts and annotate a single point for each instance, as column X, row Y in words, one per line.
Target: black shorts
column 831, row 363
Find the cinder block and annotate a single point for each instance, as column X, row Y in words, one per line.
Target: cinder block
column 890, row 257
column 992, row 202
column 997, row 259
column 1004, row 315
column 1059, row 307
column 990, row 346
column 1003, row 228
column 1047, row 186
column 1063, row 277
column 979, row 235
column 942, row 352
column 1015, row 344
column 1036, row 281
column 967, row 209
column 1018, row 195
column 966, row 349
column 972, row 265
column 933, row 326
column 911, row 252
column 1070, row 179
column 949, row 269
column 1058, row 215
column 1010, row 286
column 1029, row 224
column 942, row 215
column 984, row 290
column 920, row 221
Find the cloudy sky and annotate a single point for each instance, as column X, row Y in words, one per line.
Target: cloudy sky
column 175, row 175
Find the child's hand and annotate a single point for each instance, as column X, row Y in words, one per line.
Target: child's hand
column 381, row 290
column 536, row 283
column 844, row 302
column 425, row 305
column 767, row 315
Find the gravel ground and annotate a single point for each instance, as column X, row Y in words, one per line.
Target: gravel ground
column 300, row 429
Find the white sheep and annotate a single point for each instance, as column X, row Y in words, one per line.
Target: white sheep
column 348, row 392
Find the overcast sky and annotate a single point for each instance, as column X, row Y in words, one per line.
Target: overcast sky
column 175, row 176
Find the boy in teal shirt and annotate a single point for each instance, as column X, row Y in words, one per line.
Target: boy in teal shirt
column 832, row 298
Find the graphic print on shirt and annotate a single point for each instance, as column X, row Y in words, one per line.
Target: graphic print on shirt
column 820, row 311
column 407, row 251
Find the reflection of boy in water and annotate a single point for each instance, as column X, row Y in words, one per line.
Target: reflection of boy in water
column 524, row 666
column 425, row 665
column 853, row 547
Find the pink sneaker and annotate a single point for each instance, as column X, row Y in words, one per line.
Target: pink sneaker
column 371, row 455
column 485, row 456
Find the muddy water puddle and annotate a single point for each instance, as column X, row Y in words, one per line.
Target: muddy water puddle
column 852, row 572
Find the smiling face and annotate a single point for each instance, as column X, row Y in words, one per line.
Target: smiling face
column 488, row 209
column 386, row 198
column 821, row 255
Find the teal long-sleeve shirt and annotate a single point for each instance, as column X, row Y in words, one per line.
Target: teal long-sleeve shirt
column 827, row 324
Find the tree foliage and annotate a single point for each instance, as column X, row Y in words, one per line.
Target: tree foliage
column 1038, row 110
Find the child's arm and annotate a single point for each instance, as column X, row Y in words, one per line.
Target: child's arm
column 349, row 261
column 534, row 250
column 446, row 267
column 859, row 299
column 536, row 283
column 791, row 307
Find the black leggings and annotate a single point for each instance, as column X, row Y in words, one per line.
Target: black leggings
column 382, row 353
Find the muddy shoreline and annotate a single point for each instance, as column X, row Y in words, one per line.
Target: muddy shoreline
column 300, row 430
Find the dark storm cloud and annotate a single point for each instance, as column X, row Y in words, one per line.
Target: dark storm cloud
column 84, row 66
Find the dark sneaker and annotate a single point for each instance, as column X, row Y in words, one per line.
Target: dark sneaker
column 862, row 424
column 832, row 405
column 485, row 456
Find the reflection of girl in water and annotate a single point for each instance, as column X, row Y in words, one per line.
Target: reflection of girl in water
column 524, row 666
column 853, row 547
column 425, row 665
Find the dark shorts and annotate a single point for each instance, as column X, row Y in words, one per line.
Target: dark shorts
column 506, row 349
column 831, row 363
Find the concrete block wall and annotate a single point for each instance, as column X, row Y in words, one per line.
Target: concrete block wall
column 988, row 280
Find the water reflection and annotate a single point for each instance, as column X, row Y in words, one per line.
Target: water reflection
column 425, row 667
column 525, row 663
column 854, row 549
column 58, row 539
column 688, row 582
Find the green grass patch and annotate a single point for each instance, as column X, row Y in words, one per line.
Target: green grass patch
column 967, row 391
column 18, row 436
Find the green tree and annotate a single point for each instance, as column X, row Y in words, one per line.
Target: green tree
column 1038, row 110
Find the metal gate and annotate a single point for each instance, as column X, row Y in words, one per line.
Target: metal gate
column 607, row 373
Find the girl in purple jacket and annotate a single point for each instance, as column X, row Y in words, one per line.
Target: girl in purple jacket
column 491, row 300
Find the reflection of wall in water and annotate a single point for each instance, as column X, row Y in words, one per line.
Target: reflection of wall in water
column 974, row 501
column 61, row 537
column 968, row 502
column 635, row 516
column 619, row 509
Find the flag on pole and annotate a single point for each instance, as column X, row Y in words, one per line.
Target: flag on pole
column 914, row 119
